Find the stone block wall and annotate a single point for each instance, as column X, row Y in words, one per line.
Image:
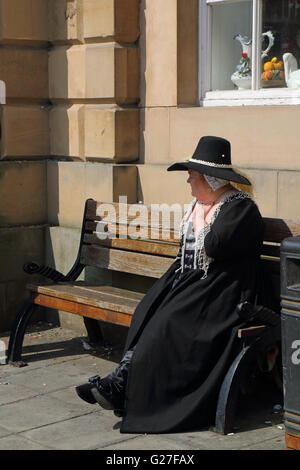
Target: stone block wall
column 24, row 146
column 69, row 128
column 265, row 148
column 93, row 119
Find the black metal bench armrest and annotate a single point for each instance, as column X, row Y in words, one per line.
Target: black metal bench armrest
column 46, row 271
column 258, row 314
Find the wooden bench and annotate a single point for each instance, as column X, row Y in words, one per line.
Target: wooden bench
column 148, row 256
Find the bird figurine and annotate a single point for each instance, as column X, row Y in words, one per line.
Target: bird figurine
column 291, row 72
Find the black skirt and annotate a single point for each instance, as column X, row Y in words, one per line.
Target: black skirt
column 185, row 332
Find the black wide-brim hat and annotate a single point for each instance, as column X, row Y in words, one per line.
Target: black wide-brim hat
column 212, row 157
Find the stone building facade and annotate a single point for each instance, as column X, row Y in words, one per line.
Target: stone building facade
column 101, row 96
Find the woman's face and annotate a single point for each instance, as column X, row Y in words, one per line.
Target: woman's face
column 197, row 182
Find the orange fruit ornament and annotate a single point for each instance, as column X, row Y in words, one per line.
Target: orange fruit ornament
column 268, row 66
column 267, row 75
column 281, row 75
column 278, row 65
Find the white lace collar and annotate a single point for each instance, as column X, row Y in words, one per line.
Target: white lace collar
column 201, row 259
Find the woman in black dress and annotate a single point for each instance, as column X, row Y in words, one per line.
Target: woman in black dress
column 182, row 337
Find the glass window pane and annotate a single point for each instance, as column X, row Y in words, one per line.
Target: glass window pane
column 282, row 17
column 231, row 21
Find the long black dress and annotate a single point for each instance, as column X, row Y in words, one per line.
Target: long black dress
column 184, row 333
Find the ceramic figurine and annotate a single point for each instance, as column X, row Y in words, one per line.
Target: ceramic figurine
column 291, row 71
column 242, row 76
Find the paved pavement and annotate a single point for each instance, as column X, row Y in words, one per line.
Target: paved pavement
column 39, row 409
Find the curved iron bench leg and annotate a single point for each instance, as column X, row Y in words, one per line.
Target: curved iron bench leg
column 14, row 352
column 230, row 388
column 228, row 395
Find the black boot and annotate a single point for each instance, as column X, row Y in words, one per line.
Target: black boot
column 101, row 391
column 109, row 392
column 84, row 392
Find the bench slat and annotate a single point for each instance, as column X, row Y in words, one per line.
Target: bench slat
column 121, row 300
column 250, row 331
column 167, row 247
column 143, row 246
column 112, row 290
column 97, row 313
column 125, row 261
column 124, row 230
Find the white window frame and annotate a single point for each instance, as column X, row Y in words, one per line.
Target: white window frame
column 254, row 97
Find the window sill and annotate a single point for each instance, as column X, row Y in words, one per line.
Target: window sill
column 262, row 97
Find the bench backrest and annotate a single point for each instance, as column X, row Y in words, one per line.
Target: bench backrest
column 117, row 237
column 110, row 238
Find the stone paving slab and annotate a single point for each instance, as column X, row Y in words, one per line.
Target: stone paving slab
column 277, row 443
column 39, row 408
column 204, row 441
column 207, row 440
column 210, row 441
column 15, row 442
column 69, row 396
column 50, row 378
column 4, row 432
column 91, row 431
column 35, row 412
column 10, row 392
column 153, row 442
column 45, row 345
